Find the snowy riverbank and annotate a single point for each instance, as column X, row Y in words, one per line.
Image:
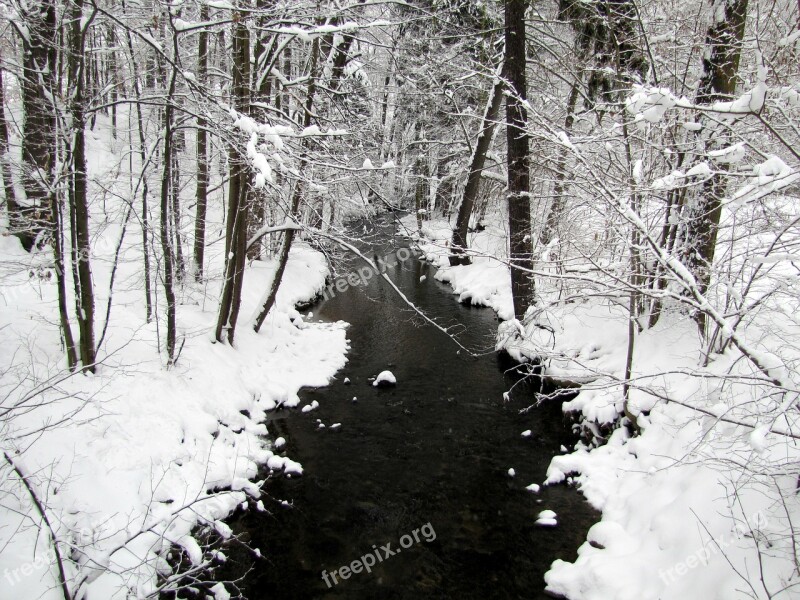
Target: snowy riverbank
column 130, row 460
column 685, row 515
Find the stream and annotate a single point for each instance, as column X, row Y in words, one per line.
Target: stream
column 431, row 454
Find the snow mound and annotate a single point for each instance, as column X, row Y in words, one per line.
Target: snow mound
column 547, row 518
column 384, row 379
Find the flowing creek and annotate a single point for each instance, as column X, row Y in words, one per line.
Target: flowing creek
column 434, row 449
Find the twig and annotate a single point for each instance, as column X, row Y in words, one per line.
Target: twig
column 40, row 509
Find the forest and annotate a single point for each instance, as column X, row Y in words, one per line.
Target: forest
column 187, row 184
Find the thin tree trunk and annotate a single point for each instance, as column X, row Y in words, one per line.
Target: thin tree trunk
column 236, row 222
column 15, row 221
column 201, row 192
column 145, row 217
column 297, row 195
column 340, row 58
column 56, row 240
column 460, row 231
column 79, row 206
column 112, row 72
column 519, row 207
column 550, row 230
column 175, row 211
column 166, row 240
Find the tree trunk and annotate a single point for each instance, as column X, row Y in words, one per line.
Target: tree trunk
column 79, row 206
column 236, row 221
column 460, row 231
column 57, row 241
column 559, row 201
column 340, row 58
column 16, row 223
column 166, row 182
column 201, row 191
column 720, row 67
column 519, row 207
column 145, row 216
column 297, row 195
column 39, row 123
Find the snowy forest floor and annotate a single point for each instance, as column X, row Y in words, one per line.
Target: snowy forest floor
column 683, row 515
column 131, row 460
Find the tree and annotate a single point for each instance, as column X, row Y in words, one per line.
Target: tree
column 201, row 194
column 237, row 217
column 702, row 212
column 476, row 166
column 517, row 140
column 39, row 68
column 78, row 192
column 167, row 182
column 298, row 192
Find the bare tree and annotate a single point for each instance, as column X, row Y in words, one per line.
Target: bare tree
column 237, row 217
column 517, row 140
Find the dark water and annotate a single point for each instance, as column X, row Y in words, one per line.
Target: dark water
column 435, row 450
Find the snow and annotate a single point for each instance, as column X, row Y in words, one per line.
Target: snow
column 219, row 591
column 729, row 155
column 384, row 378
column 666, row 494
column 310, row 407
column 512, row 472
column 486, row 281
column 547, row 518
column 526, row 433
column 533, row 488
column 151, row 453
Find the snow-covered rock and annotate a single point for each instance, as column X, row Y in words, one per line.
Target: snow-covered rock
column 547, row 518
column 385, row 379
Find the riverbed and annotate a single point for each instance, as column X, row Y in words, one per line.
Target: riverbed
column 431, row 454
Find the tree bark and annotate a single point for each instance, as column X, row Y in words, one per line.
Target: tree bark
column 236, row 221
column 166, row 183
column 13, row 209
column 484, row 142
column 79, row 205
column 720, row 67
column 39, row 123
column 519, row 207
column 297, row 196
column 145, row 216
column 201, row 191
column 559, row 201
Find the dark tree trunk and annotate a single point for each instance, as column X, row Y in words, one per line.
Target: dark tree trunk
column 39, row 124
column 340, row 58
column 297, row 195
column 16, row 222
column 201, row 191
column 419, row 189
column 145, row 216
column 559, row 201
column 57, row 241
column 112, row 72
column 459, row 244
column 164, row 228
column 519, row 206
column 720, row 68
column 236, row 221
column 79, row 205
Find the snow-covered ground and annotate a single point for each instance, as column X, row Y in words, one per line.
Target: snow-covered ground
column 130, row 460
column 686, row 512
